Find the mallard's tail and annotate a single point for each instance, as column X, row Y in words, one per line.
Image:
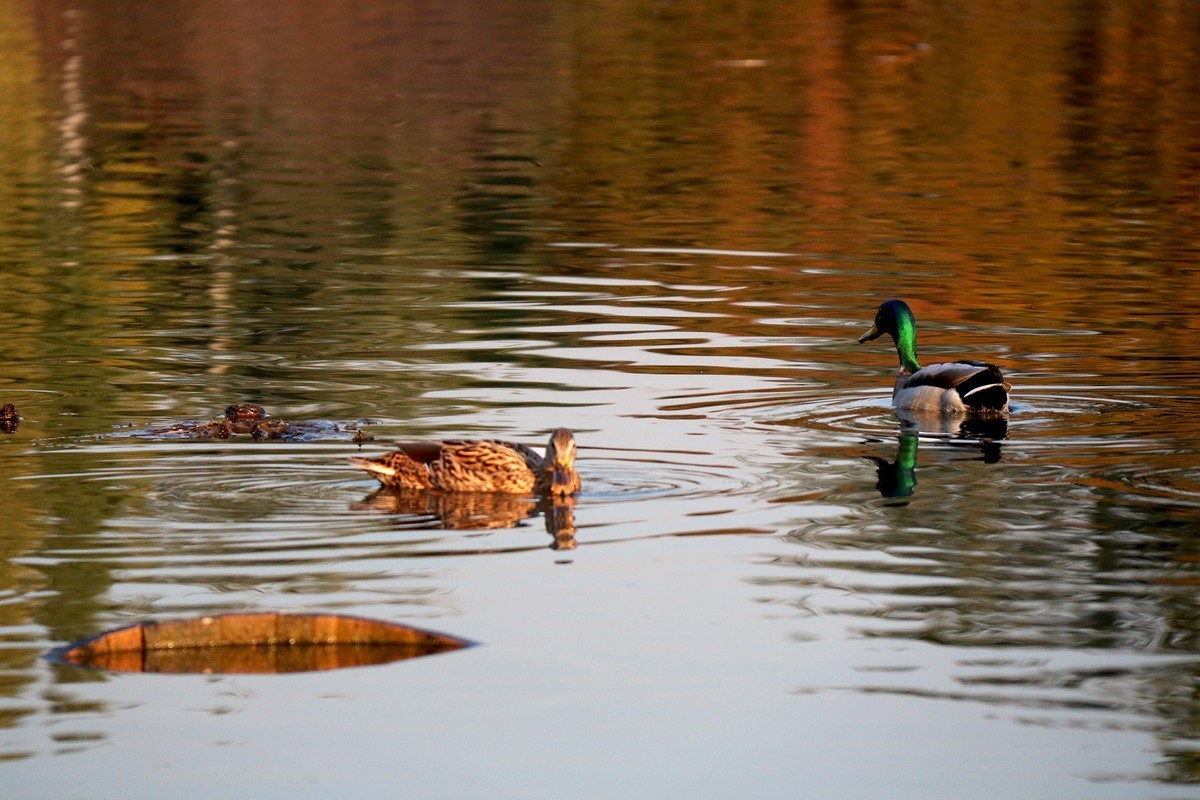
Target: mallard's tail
column 395, row 470
column 985, row 391
column 370, row 465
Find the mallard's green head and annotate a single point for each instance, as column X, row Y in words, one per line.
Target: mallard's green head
column 896, row 319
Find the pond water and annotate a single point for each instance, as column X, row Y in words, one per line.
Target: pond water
column 663, row 225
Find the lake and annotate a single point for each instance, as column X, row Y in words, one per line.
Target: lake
column 663, row 225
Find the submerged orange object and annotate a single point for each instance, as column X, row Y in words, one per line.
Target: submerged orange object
column 257, row 642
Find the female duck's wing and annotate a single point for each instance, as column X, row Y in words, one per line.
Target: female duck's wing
column 425, row 452
column 481, row 466
column 531, row 458
column 422, row 452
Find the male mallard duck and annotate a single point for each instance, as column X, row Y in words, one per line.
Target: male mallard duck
column 478, row 465
column 953, row 387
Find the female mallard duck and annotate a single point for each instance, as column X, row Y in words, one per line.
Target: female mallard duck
column 478, row 465
column 955, row 387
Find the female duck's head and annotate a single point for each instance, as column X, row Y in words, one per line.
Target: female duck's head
column 560, row 463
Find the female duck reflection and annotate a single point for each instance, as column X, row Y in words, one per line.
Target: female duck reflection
column 479, row 483
column 477, row 511
column 967, row 400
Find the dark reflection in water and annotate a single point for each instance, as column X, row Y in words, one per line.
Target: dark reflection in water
column 499, row 207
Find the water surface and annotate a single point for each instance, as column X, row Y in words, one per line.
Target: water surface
column 663, row 225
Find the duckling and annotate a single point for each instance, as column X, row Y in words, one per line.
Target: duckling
column 955, row 387
column 269, row 429
column 478, row 465
column 10, row 418
column 244, row 417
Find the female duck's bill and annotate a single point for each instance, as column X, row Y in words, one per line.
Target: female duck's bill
column 955, row 387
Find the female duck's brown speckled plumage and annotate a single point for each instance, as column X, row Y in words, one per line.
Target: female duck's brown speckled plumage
column 478, row 465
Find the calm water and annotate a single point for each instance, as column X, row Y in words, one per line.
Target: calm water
column 662, row 225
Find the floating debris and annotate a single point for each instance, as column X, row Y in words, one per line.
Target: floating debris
column 253, row 420
column 253, row 643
